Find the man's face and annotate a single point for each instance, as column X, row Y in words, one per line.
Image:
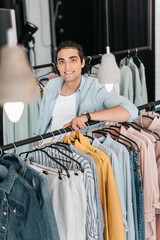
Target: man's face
column 69, row 64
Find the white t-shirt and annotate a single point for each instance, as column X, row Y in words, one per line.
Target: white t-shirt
column 64, row 111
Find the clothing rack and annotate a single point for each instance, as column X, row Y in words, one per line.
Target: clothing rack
column 89, row 58
column 149, row 106
column 40, row 137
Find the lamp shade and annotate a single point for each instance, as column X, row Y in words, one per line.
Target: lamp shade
column 109, row 72
column 17, row 82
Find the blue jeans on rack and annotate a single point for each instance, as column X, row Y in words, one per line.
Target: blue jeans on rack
column 139, row 196
column 134, row 200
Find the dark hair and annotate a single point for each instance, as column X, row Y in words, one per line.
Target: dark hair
column 70, row 44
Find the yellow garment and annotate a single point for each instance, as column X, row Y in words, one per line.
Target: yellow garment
column 113, row 218
column 42, row 91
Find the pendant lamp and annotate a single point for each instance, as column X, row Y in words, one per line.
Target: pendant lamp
column 17, row 82
column 109, row 72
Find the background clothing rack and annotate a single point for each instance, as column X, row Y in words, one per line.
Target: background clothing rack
column 40, row 137
column 89, row 58
column 149, row 106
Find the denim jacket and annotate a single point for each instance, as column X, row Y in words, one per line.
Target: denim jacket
column 20, row 216
column 39, row 184
column 90, row 97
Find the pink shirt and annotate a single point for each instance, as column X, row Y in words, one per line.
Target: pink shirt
column 150, row 183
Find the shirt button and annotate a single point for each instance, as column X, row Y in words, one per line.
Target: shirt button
column 3, row 227
column 4, row 213
column 4, row 199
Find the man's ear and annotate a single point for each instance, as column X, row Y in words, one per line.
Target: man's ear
column 83, row 63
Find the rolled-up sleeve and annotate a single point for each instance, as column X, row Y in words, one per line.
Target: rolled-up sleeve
column 111, row 99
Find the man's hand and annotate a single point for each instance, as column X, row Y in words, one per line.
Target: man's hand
column 77, row 123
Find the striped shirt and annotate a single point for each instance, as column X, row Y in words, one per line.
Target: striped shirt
column 69, row 160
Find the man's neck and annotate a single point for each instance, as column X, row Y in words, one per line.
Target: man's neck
column 69, row 88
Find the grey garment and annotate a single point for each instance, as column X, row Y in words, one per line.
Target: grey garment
column 96, row 180
column 143, row 83
column 126, row 83
column 24, row 128
column 65, row 158
column 123, row 157
column 137, row 87
column 95, row 69
column 118, row 173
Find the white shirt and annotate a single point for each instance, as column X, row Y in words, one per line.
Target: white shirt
column 64, row 111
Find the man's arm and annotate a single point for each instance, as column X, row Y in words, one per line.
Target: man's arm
column 115, row 114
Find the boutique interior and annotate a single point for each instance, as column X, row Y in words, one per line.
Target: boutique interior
column 112, row 171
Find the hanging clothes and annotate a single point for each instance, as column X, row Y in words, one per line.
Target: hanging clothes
column 137, row 97
column 124, row 164
column 113, row 214
column 143, row 83
column 24, row 128
column 93, row 205
column 126, row 83
column 26, row 206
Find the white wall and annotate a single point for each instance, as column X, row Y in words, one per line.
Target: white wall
column 38, row 14
column 157, row 51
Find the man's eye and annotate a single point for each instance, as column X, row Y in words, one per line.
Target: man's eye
column 60, row 62
column 73, row 60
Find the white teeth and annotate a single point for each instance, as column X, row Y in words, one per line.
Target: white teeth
column 68, row 72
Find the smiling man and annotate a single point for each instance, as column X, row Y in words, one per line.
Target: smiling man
column 75, row 98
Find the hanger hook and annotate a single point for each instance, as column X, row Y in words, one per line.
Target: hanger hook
column 149, row 107
column 1, row 152
column 89, row 59
column 136, row 53
column 15, row 147
column 53, row 136
column 41, row 140
column 128, row 53
column 153, row 106
column 59, row 135
column 65, row 132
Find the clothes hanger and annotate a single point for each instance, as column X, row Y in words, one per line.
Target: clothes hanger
column 58, row 149
column 127, row 124
column 120, row 134
column 100, row 131
column 136, row 59
column 53, row 158
column 66, row 146
column 127, row 57
column 47, row 170
column 143, row 128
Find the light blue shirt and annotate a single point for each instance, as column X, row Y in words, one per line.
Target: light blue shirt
column 137, row 94
column 90, row 97
column 97, row 193
column 123, row 157
column 118, row 173
column 126, row 83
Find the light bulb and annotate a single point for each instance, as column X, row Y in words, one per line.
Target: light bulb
column 14, row 110
column 109, row 87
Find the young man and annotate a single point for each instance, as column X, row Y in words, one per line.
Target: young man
column 74, row 98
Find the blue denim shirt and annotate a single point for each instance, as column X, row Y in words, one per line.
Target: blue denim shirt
column 20, row 217
column 90, row 97
column 40, row 187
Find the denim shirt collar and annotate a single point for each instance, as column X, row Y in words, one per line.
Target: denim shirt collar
column 19, row 164
column 61, row 81
column 8, row 182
